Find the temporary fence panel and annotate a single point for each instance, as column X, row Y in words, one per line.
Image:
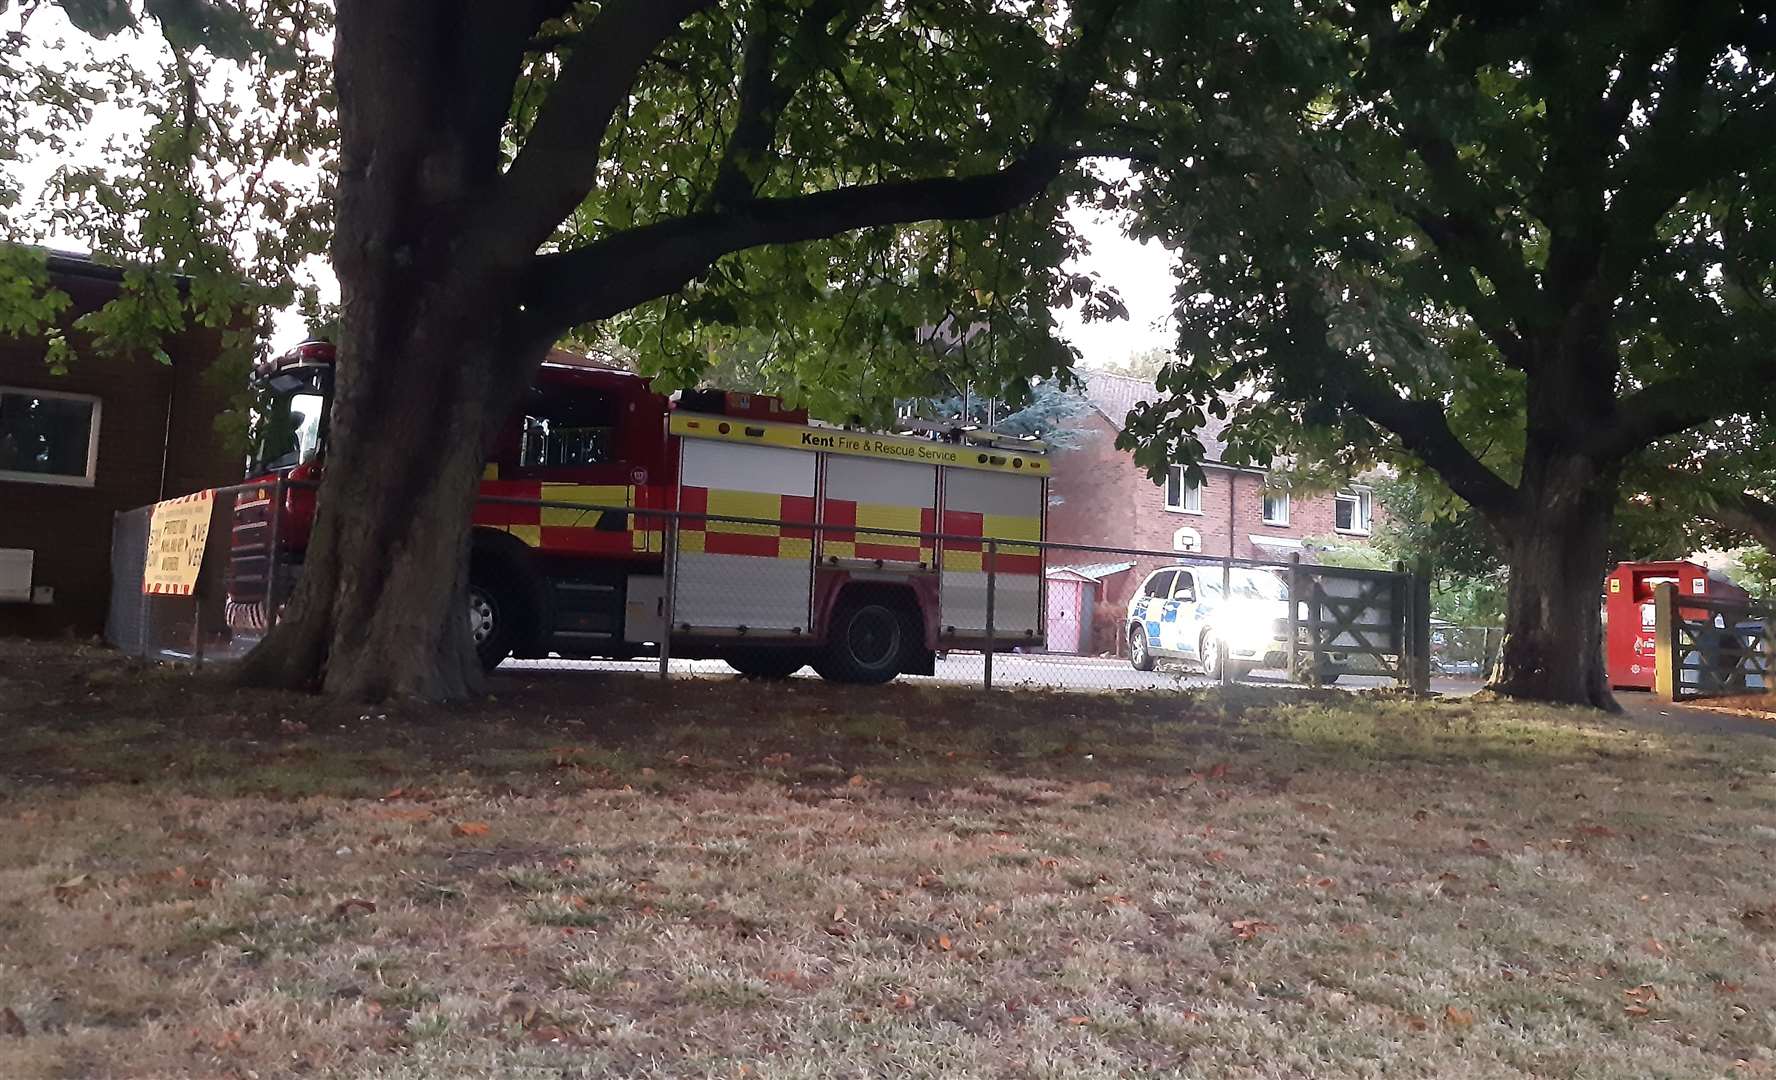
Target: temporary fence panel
column 1006, row 512
column 897, row 495
column 742, row 576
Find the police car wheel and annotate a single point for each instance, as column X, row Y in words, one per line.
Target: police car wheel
column 867, row 643
column 1139, row 656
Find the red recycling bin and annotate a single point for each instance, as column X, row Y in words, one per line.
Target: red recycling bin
column 1628, row 612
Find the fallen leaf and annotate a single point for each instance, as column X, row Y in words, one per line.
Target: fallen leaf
column 351, row 904
column 394, row 793
column 1078, row 1020
column 1459, row 1017
column 1216, row 856
column 1654, row 946
column 943, row 942
column 470, row 828
column 774, row 760
column 1216, row 771
column 1597, row 830
column 903, row 1002
column 857, row 781
column 10, row 1024
column 1417, row 1023
column 1247, row 929
column 838, row 913
column 72, row 887
column 1643, row 992
column 1479, row 844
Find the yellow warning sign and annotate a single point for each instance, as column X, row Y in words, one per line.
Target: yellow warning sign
column 176, row 535
column 856, row 443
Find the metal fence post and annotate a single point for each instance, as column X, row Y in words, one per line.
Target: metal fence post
column 992, row 588
column 1221, row 657
column 1666, row 655
column 668, row 555
column 271, row 552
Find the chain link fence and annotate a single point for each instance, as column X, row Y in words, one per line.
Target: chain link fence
column 558, row 584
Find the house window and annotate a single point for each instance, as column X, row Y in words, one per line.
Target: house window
column 1350, row 512
column 1187, row 540
column 48, row 437
column 1276, row 508
column 1183, row 495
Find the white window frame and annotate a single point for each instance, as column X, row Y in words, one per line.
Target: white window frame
column 14, row 476
column 1365, row 511
column 1190, row 490
column 1281, row 498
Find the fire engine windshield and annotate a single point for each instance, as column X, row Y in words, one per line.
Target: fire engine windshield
column 289, row 419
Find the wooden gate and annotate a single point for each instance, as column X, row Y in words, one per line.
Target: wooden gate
column 1731, row 649
column 1337, row 613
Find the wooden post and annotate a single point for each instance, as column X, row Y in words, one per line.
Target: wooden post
column 1420, row 627
column 1667, row 679
column 1295, row 616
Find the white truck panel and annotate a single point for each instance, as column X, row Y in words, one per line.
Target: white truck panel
column 1010, row 506
column 723, row 592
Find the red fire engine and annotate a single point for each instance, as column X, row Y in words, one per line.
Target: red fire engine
column 767, row 599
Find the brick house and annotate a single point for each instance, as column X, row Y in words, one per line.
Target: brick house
column 1098, row 495
column 110, row 435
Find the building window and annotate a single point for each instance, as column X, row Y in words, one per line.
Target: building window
column 48, row 437
column 1187, row 540
column 1276, row 508
column 1183, row 495
column 1350, row 513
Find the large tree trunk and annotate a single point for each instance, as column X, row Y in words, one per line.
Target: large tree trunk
column 427, row 364
column 1558, row 551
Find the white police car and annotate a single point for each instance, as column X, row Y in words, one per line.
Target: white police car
column 1180, row 613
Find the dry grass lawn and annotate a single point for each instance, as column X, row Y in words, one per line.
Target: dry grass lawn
column 603, row 877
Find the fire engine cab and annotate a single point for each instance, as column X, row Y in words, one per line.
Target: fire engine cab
column 563, row 563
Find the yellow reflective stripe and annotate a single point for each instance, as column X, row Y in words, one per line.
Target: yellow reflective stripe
column 583, row 495
column 855, row 443
column 750, row 504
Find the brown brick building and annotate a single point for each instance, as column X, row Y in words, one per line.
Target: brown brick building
column 1098, row 495
column 110, row 435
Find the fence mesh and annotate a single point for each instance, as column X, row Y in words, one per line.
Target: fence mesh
column 582, row 586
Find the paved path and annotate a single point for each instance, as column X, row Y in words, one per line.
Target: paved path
column 1044, row 670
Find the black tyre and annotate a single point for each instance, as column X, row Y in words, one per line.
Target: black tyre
column 1330, row 675
column 1139, row 656
column 766, row 663
column 1208, row 655
column 494, row 615
column 869, row 642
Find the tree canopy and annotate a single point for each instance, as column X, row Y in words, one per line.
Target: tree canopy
column 1515, row 243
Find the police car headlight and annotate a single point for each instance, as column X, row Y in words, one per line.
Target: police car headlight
column 1250, row 629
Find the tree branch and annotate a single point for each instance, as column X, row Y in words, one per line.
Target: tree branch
column 1467, row 230
column 1742, row 512
column 764, row 95
column 1423, row 429
column 1667, row 406
column 637, row 265
column 558, row 165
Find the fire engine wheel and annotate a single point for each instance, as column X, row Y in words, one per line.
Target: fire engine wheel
column 869, row 643
column 1138, row 654
column 491, row 614
column 766, row 663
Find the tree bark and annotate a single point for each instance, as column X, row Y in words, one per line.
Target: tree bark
column 1558, row 551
